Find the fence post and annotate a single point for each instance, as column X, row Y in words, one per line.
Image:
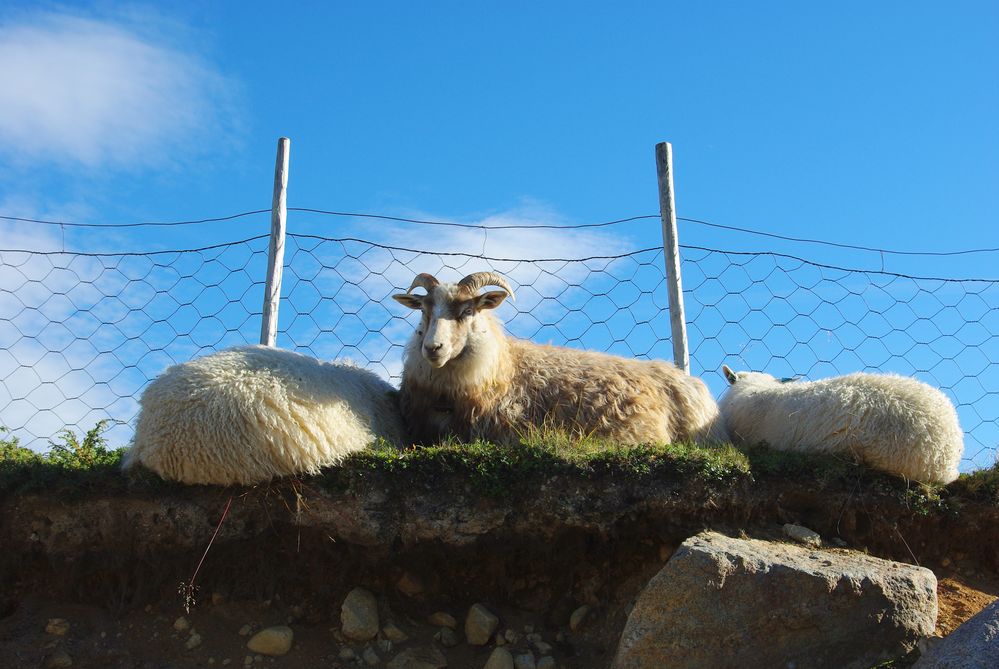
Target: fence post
column 671, row 253
column 275, row 251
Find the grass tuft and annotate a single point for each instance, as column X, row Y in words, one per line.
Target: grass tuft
column 981, row 485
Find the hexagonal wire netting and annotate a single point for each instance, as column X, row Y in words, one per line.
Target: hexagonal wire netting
column 82, row 334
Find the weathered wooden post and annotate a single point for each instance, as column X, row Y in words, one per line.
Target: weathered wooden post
column 671, row 253
column 275, row 251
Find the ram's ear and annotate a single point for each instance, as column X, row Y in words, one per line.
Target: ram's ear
column 407, row 300
column 730, row 376
column 490, row 300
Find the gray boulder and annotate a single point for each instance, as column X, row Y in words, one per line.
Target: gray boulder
column 722, row 602
column 973, row 645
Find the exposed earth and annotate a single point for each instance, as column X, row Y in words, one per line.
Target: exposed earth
column 107, row 558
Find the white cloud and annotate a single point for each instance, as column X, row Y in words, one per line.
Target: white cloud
column 98, row 93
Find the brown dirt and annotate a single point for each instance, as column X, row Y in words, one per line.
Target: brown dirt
column 960, row 599
column 111, row 563
column 146, row 639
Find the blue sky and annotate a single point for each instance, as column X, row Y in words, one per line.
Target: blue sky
column 860, row 123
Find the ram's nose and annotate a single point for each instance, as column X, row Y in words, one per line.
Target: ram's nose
column 434, row 353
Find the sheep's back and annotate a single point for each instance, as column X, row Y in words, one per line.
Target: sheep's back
column 625, row 399
column 249, row 414
column 891, row 422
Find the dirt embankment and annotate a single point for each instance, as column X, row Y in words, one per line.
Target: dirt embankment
column 111, row 561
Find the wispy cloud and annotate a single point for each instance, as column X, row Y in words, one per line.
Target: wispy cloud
column 77, row 90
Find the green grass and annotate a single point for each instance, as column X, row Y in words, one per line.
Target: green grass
column 981, row 486
column 72, row 463
column 494, row 470
column 82, row 463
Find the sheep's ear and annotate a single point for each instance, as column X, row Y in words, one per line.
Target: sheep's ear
column 731, row 376
column 407, row 300
column 490, row 300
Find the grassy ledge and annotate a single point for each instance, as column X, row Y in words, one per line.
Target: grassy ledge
column 77, row 465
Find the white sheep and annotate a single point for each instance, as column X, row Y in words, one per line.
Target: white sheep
column 248, row 414
column 463, row 376
column 889, row 422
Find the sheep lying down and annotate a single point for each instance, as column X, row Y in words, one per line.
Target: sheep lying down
column 248, row 414
column 889, row 422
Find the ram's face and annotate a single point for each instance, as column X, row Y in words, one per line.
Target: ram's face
column 448, row 323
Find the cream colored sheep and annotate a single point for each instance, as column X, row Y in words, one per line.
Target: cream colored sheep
column 889, row 422
column 252, row 413
column 464, row 377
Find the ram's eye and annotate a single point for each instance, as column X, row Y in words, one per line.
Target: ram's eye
column 467, row 311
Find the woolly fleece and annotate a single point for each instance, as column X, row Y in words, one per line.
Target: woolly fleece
column 248, row 414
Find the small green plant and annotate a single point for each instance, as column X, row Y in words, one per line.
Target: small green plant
column 75, row 453
column 72, row 463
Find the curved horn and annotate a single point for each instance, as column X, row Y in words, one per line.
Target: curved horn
column 477, row 280
column 426, row 281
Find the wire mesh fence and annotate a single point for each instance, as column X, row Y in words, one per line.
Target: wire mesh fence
column 82, row 334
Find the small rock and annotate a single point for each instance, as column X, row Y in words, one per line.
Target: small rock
column 528, row 629
column 248, row 661
column 409, row 585
column 272, row 641
column 385, row 645
column 447, row 637
column 182, row 624
column 226, row 662
column 578, row 617
column 838, row 543
column 945, row 562
column 58, row 660
column 803, row 535
column 393, row 633
column 560, row 636
column 418, row 658
column 543, row 648
column 218, row 599
column 347, row 653
column 525, row 661
column 442, row 619
column 511, row 636
column 370, row 656
column 500, row 659
column 359, row 615
column 245, row 630
column 193, row 641
column 211, row 660
column 57, row 626
column 534, row 637
column 500, row 640
column 480, row 624
column 546, row 662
